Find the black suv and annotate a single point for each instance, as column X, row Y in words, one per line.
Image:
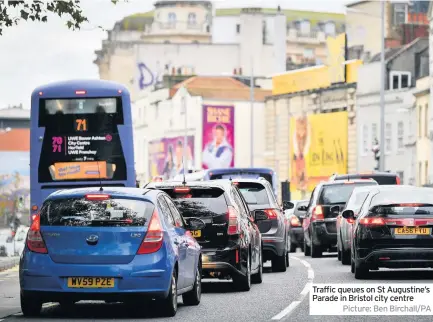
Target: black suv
column 230, row 241
column 320, row 223
column 273, row 226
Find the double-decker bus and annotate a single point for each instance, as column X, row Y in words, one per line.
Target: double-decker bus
column 81, row 136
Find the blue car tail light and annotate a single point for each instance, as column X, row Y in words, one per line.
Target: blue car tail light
column 153, row 240
column 35, row 242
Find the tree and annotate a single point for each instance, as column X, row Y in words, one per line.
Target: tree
column 38, row 10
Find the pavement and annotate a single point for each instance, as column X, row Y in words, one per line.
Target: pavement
column 281, row 297
column 8, row 262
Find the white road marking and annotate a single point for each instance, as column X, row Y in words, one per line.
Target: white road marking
column 287, row 310
column 306, row 289
column 292, row 306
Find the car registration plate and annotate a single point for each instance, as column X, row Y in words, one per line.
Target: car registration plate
column 90, row 282
column 196, row 233
column 412, row 231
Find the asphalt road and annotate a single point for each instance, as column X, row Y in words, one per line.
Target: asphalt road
column 281, row 297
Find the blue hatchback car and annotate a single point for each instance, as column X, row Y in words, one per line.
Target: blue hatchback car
column 112, row 244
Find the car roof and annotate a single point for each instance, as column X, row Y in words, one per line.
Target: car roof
column 250, row 180
column 373, row 173
column 220, row 183
column 138, row 193
column 383, row 188
column 341, row 182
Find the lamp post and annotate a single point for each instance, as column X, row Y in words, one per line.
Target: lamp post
column 252, row 114
column 382, row 89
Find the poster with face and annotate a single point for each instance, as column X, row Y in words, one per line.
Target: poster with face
column 218, row 137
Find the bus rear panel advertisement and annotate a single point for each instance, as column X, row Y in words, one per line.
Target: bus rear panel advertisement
column 81, row 140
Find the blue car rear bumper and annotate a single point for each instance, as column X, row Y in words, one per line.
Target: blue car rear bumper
column 146, row 275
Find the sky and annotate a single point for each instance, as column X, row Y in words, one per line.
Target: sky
column 35, row 53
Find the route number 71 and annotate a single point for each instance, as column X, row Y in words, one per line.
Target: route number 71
column 81, row 124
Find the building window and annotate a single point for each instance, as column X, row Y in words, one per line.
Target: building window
column 388, row 137
column 365, row 139
column 400, row 80
column 399, row 14
column 373, row 133
column 172, row 19
column 305, row 27
column 420, row 173
column 330, row 28
column 419, row 112
column 308, row 53
column 426, row 127
column 192, row 18
column 426, row 172
column 238, row 28
column 400, row 135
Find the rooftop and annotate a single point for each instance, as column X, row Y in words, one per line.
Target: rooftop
column 139, row 20
column 15, row 112
column 219, row 87
column 15, row 140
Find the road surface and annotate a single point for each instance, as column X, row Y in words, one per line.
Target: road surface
column 281, row 297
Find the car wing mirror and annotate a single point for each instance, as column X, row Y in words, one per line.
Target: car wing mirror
column 348, row 214
column 259, row 215
column 288, row 205
column 302, row 208
column 193, row 223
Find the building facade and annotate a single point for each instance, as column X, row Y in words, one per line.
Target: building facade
column 404, row 22
column 194, row 109
column 177, row 35
column 403, row 68
column 424, row 135
column 310, row 121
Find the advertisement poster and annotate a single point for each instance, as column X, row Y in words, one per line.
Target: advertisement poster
column 317, row 150
column 166, row 156
column 218, row 137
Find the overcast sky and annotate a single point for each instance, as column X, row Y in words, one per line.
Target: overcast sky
column 33, row 54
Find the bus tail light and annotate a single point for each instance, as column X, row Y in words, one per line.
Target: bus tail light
column 35, row 242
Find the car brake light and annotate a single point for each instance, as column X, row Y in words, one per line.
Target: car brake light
column 97, row 197
column 233, row 228
column 153, row 240
column 372, row 221
column 350, row 220
column 397, row 180
column 182, row 189
column 35, row 242
column 271, row 213
column 317, row 214
column 349, row 182
column 80, row 92
column 294, row 222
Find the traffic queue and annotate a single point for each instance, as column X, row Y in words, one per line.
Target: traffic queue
column 151, row 244
column 370, row 219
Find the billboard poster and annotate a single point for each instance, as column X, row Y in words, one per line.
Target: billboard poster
column 317, row 150
column 218, row 137
column 166, row 156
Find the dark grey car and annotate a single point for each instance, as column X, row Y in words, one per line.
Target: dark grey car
column 259, row 196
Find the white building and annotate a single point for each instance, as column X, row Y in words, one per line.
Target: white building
column 160, row 114
column 400, row 114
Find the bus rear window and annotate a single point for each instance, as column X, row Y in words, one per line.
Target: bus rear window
column 79, row 106
column 83, row 213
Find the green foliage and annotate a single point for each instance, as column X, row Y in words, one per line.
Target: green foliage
column 38, row 10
